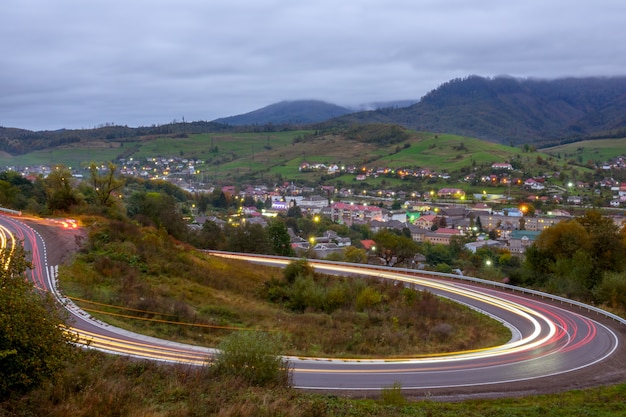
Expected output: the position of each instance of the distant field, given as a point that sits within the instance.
(278, 155)
(449, 153)
(590, 150)
(68, 156)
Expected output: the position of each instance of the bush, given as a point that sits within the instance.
(305, 294)
(612, 290)
(297, 268)
(252, 356)
(33, 342)
(393, 395)
(368, 298)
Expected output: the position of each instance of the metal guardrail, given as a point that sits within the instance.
(10, 211)
(424, 273)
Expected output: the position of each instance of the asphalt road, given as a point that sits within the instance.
(548, 341)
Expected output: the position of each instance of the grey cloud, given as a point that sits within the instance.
(70, 63)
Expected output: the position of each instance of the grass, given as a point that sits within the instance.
(590, 150)
(436, 151)
(131, 271)
(98, 385)
(73, 157)
(277, 155)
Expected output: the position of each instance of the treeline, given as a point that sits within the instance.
(584, 258)
(20, 141)
(511, 110)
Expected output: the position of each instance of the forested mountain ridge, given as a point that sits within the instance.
(505, 110)
(288, 112)
(513, 111)
(19, 141)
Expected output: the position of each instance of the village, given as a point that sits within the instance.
(435, 216)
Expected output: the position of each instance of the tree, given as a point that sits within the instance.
(60, 191)
(437, 254)
(279, 238)
(355, 255)
(394, 249)
(211, 236)
(104, 185)
(563, 240)
(158, 210)
(294, 212)
(573, 256)
(14, 189)
(479, 225)
(607, 246)
(247, 238)
(33, 343)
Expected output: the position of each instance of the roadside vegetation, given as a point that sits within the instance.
(141, 279)
(95, 384)
(140, 269)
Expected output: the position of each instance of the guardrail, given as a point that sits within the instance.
(10, 211)
(434, 274)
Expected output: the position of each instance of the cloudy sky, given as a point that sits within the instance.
(77, 63)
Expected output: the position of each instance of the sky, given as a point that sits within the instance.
(80, 64)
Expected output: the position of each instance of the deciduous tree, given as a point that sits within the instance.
(105, 184)
(33, 341)
(394, 249)
(279, 238)
(60, 190)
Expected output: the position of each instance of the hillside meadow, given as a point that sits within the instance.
(596, 151)
(264, 155)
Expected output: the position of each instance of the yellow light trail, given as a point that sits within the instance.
(526, 343)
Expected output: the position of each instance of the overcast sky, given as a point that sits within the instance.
(77, 63)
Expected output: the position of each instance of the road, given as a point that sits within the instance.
(548, 341)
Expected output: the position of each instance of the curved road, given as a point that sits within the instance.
(547, 340)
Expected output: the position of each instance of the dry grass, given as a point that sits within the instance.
(96, 385)
(138, 272)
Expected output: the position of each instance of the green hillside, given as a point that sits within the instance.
(510, 110)
(275, 156)
(595, 151)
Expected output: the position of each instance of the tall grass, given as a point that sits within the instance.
(126, 271)
(98, 385)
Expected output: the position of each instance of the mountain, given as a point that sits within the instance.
(513, 111)
(506, 110)
(376, 105)
(288, 112)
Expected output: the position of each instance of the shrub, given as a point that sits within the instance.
(33, 342)
(393, 395)
(297, 268)
(305, 294)
(612, 290)
(368, 298)
(252, 356)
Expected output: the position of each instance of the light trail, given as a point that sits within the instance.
(547, 340)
